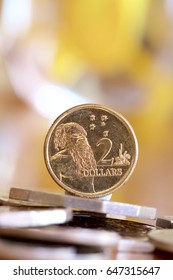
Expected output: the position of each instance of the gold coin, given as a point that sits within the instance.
(90, 150)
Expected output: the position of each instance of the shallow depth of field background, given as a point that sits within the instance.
(58, 54)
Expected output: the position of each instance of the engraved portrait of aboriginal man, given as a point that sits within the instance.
(74, 155)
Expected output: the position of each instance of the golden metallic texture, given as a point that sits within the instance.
(90, 150)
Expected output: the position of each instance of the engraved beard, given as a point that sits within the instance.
(72, 138)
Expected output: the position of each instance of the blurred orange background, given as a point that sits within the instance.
(57, 54)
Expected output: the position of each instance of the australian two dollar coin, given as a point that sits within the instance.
(90, 150)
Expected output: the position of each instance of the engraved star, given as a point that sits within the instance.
(92, 117)
(92, 126)
(103, 123)
(104, 118)
(105, 133)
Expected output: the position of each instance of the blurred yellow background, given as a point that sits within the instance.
(57, 54)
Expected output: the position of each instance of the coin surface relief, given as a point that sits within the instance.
(90, 150)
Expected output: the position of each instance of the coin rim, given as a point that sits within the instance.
(111, 189)
(66, 235)
(154, 236)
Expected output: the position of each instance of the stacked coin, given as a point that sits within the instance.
(162, 239)
(40, 209)
(165, 222)
(92, 205)
(57, 243)
(90, 151)
(12, 217)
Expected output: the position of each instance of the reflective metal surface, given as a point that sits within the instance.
(165, 222)
(92, 205)
(125, 228)
(90, 150)
(22, 217)
(65, 235)
(20, 250)
(162, 239)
